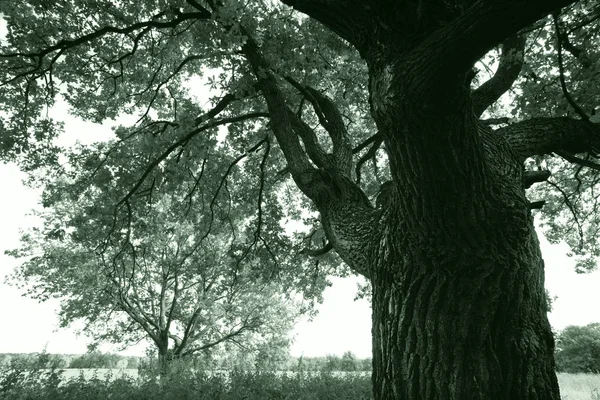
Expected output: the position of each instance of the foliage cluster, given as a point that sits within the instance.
(578, 349)
(19, 383)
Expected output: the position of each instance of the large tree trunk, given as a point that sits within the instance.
(459, 308)
(450, 325)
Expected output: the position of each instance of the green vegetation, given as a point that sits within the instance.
(29, 377)
(578, 349)
(20, 382)
(222, 361)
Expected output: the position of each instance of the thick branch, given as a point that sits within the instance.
(370, 154)
(310, 140)
(331, 119)
(495, 121)
(509, 67)
(548, 135)
(531, 177)
(318, 252)
(281, 125)
(367, 142)
(572, 158)
(220, 106)
(484, 25)
(336, 196)
(348, 18)
(537, 205)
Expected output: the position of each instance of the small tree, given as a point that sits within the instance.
(174, 269)
(578, 349)
(332, 363)
(349, 362)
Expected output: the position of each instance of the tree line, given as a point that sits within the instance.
(347, 362)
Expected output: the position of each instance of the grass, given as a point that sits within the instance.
(579, 386)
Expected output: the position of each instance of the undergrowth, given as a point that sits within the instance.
(27, 382)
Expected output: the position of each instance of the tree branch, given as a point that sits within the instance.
(65, 44)
(561, 70)
(531, 177)
(370, 154)
(331, 119)
(509, 67)
(572, 158)
(350, 19)
(281, 125)
(537, 205)
(495, 121)
(551, 135)
(182, 142)
(318, 252)
(311, 142)
(367, 142)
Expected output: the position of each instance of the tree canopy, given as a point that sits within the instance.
(186, 271)
(146, 61)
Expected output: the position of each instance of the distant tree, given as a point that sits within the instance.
(273, 354)
(133, 362)
(95, 359)
(349, 362)
(174, 269)
(578, 349)
(332, 363)
(366, 364)
(50, 361)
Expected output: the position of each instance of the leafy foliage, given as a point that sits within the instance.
(182, 263)
(144, 60)
(578, 349)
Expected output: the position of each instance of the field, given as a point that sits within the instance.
(579, 386)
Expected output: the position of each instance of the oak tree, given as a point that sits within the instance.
(173, 270)
(385, 115)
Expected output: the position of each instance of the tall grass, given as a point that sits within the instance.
(579, 386)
